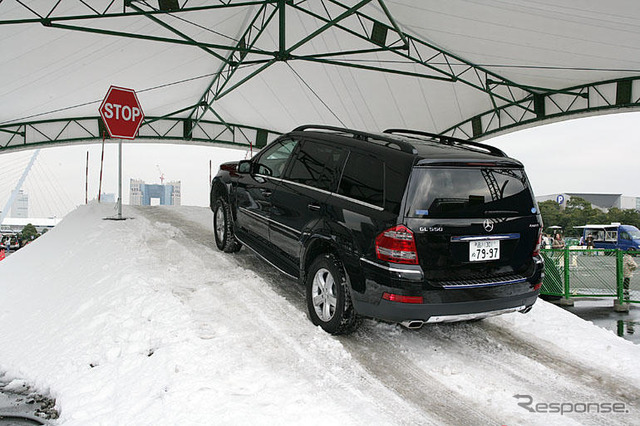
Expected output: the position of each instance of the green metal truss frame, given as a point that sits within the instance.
(79, 130)
(621, 94)
(512, 104)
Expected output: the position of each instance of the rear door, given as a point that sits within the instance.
(472, 224)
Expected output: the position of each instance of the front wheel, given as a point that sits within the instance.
(223, 228)
(328, 296)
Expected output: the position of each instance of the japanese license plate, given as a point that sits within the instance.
(484, 250)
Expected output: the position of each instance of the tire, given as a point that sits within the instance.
(223, 228)
(328, 296)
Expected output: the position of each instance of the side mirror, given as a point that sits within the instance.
(244, 166)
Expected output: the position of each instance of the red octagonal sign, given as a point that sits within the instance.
(121, 113)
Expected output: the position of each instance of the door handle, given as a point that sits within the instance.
(266, 192)
(313, 207)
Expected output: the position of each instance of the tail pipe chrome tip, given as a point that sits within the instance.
(413, 324)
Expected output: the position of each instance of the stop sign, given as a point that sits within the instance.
(121, 112)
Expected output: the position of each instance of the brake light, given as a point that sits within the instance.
(536, 250)
(402, 299)
(397, 245)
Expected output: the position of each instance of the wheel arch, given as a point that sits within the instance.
(317, 246)
(218, 189)
(350, 258)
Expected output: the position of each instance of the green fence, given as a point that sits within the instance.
(578, 272)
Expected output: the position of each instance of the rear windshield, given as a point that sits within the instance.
(463, 192)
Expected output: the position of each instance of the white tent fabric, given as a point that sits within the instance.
(539, 46)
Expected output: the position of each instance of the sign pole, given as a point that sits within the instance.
(86, 182)
(119, 179)
(101, 165)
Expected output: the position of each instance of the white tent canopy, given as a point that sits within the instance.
(221, 71)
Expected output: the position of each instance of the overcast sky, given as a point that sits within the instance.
(592, 155)
(589, 155)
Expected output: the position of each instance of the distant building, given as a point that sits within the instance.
(602, 202)
(107, 198)
(143, 194)
(20, 207)
(176, 198)
(135, 192)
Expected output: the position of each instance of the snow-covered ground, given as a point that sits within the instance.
(144, 322)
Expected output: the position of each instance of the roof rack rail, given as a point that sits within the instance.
(365, 136)
(448, 140)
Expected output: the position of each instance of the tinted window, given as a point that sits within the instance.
(316, 165)
(469, 192)
(363, 179)
(396, 174)
(274, 158)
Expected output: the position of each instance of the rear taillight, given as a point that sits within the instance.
(536, 250)
(402, 299)
(397, 245)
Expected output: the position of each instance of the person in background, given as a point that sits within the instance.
(590, 241)
(628, 266)
(558, 242)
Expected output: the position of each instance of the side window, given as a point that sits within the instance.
(611, 236)
(317, 165)
(624, 235)
(273, 160)
(395, 182)
(363, 179)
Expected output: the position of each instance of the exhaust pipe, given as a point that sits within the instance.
(526, 310)
(413, 324)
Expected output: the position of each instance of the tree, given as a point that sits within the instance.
(29, 232)
(627, 217)
(551, 213)
(579, 212)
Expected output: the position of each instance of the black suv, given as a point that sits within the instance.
(403, 226)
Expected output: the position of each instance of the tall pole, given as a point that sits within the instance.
(86, 182)
(119, 179)
(101, 165)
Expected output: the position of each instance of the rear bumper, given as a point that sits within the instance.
(444, 312)
(440, 304)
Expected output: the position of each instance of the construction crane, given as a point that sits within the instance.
(161, 175)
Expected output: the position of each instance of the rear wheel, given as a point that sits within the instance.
(223, 228)
(328, 296)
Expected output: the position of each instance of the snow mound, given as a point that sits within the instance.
(144, 322)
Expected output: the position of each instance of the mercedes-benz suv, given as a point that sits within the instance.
(401, 226)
